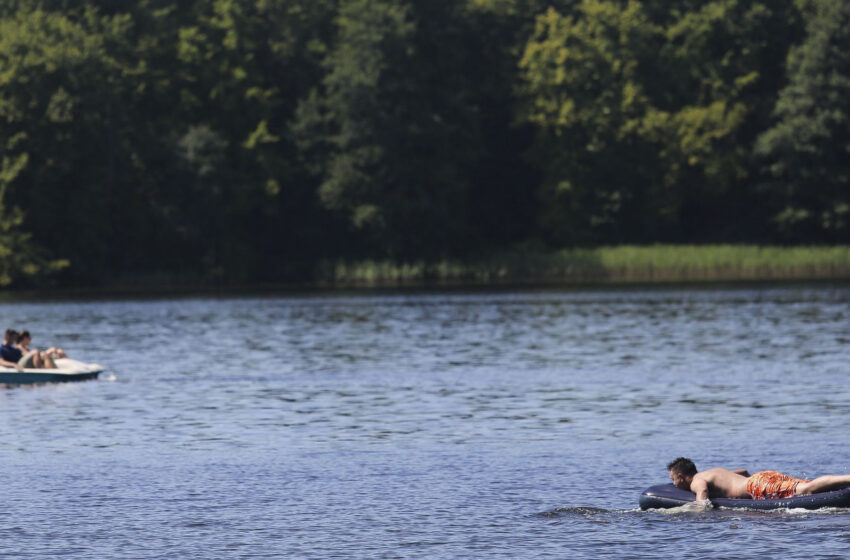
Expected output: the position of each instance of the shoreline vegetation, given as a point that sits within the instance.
(604, 265)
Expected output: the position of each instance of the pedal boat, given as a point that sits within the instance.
(66, 370)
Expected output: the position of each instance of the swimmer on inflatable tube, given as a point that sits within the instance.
(738, 483)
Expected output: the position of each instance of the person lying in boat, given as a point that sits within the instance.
(13, 356)
(738, 483)
(25, 339)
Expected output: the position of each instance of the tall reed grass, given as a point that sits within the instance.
(655, 263)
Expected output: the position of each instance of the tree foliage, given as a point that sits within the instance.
(647, 117)
(808, 146)
(234, 141)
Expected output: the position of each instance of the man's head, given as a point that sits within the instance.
(682, 471)
(11, 336)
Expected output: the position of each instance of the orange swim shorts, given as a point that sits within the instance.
(772, 485)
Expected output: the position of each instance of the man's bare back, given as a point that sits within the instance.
(720, 483)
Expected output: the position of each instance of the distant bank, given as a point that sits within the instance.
(602, 265)
(654, 264)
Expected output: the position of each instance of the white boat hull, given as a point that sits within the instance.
(66, 370)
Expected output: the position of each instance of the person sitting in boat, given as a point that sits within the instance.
(25, 339)
(13, 356)
(738, 483)
(9, 355)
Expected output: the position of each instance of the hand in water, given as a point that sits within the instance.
(698, 506)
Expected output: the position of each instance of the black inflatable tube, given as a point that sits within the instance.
(668, 496)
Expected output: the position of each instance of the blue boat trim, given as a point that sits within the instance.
(668, 496)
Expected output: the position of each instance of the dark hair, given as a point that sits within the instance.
(11, 335)
(23, 334)
(683, 465)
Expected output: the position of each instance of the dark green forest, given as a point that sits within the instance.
(250, 141)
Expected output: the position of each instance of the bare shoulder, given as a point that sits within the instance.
(713, 474)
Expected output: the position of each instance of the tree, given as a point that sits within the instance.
(19, 258)
(55, 97)
(157, 135)
(242, 67)
(583, 92)
(392, 131)
(807, 148)
(723, 61)
(647, 116)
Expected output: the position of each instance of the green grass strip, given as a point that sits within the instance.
(654, 263)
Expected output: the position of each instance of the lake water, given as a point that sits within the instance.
(424, 425)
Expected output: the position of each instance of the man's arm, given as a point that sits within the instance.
(7, 363)
(700, 488)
